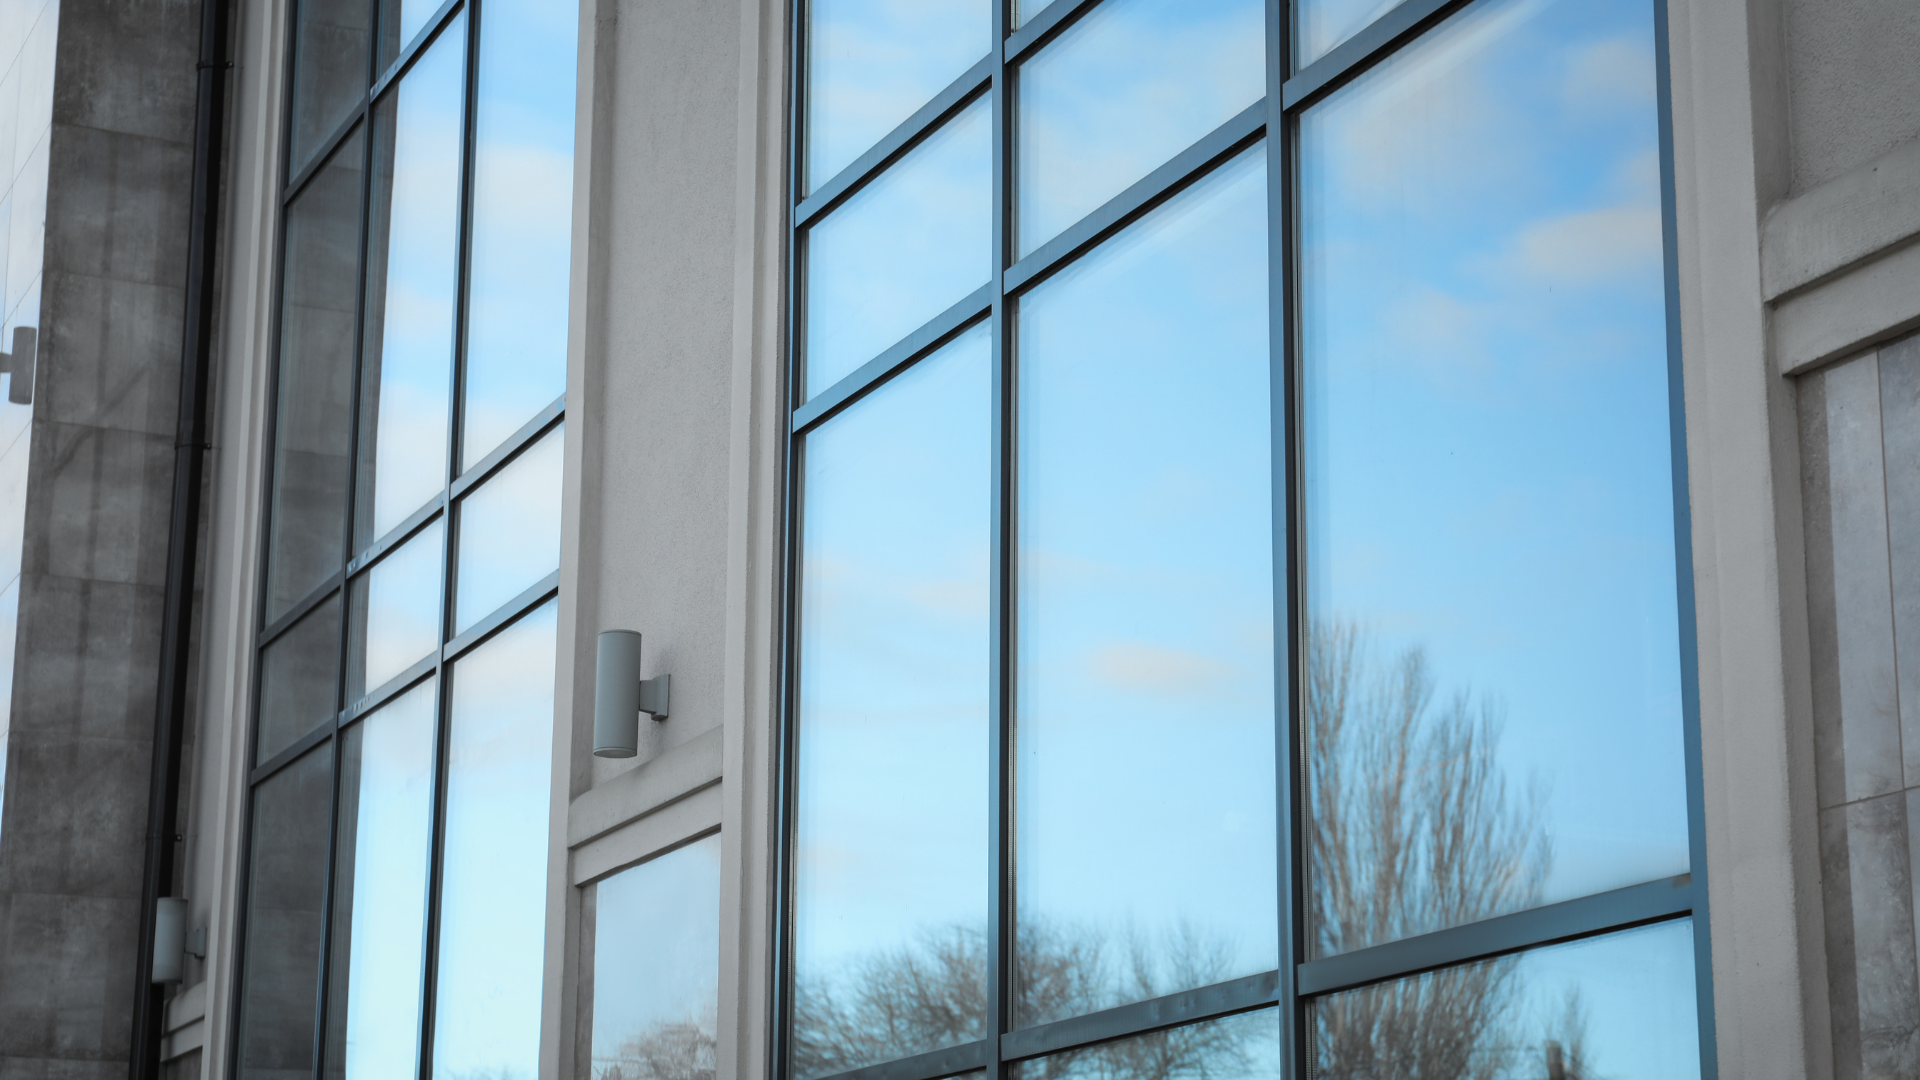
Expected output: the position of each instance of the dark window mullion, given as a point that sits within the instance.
(1399, 26)
(1001, 972)
(902, 355)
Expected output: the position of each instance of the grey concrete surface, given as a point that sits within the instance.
(1853, 83)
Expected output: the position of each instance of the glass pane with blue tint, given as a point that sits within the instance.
(516, 362)
(299, 680)
(379, 947)
(1319, 25)
(1124, 89)
(656, 967)
(493, 893)
(1493, 660)
(1145, 733)
(891, 836)
(510, 529)
(313, 418)
(872, 63)
(395, 612)
(1243, 1047)
(902, 250)
(1620, 1005)
(400, 22)
(406, 366)
(332, 65)
(286, 896)
(1025, 11)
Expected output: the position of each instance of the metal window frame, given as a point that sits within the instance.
(1292, 987)
(453, 642)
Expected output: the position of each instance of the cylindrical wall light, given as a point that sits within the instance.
(169, 940)
(620, 696)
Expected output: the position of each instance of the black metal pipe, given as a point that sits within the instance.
(183, 539)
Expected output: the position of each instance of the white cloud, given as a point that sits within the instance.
(1591, 245)
(1615, 71)
(1139, 665)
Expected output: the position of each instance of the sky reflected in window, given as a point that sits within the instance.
(396, 612)
(1319, 25)
(656, 967)
(510, 529)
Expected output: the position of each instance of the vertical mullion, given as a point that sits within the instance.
(1001, 974)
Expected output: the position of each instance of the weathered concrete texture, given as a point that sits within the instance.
(1853, 83)
(93, 557)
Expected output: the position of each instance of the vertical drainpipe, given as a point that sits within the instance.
(183, 539)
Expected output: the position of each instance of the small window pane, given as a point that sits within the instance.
(332, 43)
(1620, 1005)
(901, 251)
(522, 219)
(299, 677)
(656, 968)
(494, 873)
(510, 529)
(380, 890)
(892, 818)
(1146, 718)
(1323, 24)
(400, 22)
(1025, 11)
(1243, 1047)
(312, 422)
(407, 361)
(286, 894)
(1127, 87)
(1489, 486)
(396, 612)
(872, 63)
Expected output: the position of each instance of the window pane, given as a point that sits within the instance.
(299, 679)
(1025, 11)
(1322, 24)
(892, 817)
(510, 529)
(286, 887)
(872, 63)
(522, 219)
(380, 890)
(901, 251)
(330, 70)
(400, 22)
(1235, 1047)
(1127, 87)
(1494, 641)
(407, 362)
(1146, 627)
(316, 382)
(656, 968)
(493, 898)
(396, 612)
(1620, 1005)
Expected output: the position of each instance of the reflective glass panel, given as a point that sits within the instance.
(901, 251)
(1243, 1047)
(656, 968)
(1145, 733)
(400, 22)
(1319, 25)
(522, 219)
(872, 63)
(493, 895)
(395, 612)
(510, 529)
(1125, 88)
(1025, 11)
(313, 418)
(331, 69)
(299, 679)
(891, 836)
(1621, 1005)
(407, 362)
(286, 895)
(380, 890)
(1493, 672)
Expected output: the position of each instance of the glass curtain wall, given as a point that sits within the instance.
(395, 911)
(1238, 616)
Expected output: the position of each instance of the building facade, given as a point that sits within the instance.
(1330, 538)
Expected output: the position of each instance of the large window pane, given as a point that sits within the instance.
(1493, 675)
(510, 529)
(656, 968)
(1244, 1047)
(299, 679)
(493, 893)
(395, 612)
(1146, 624)
(311, 427)
(407, 361)
(871, 63)
(286, 891)
(1319, 25)
(1621, 1005)
(901, 251)
(522, 219)
(380, 890)
(333, 40)
(892, 815)
(1128, 86)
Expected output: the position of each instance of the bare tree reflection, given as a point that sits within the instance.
(668, 1050)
